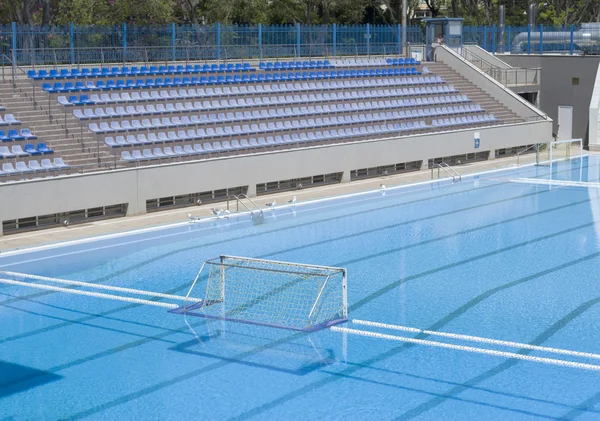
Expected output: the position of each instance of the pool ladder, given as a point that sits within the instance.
(238, 199)
(451, 172)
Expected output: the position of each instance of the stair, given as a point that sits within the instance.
(478, 96)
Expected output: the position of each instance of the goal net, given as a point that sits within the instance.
(559, 150)
(271, 293)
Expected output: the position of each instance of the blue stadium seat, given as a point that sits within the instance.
(30, 149)
(14, 135)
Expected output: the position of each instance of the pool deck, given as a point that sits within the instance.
(111, 226)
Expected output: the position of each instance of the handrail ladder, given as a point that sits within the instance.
(447, 169)
(238, 198)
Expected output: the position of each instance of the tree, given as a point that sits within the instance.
(344, 12)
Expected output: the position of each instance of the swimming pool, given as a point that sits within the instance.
(488, 256)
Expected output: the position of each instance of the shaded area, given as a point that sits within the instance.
(12, 376)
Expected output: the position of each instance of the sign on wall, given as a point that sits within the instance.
(477, 140)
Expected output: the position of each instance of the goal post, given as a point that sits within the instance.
(271, 293)
(558, 150)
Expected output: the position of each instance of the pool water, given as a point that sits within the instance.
(487, 256)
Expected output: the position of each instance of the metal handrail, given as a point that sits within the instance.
(499, 73)
(523, 151)
(239, 198)
(447, 169)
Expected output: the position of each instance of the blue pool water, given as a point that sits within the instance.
(486, 257)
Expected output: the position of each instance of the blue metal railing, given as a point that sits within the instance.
(71, 44)
(37, 45)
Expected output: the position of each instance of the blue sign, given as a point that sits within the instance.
(477, 141)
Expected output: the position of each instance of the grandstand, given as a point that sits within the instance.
(100, 121)
(200, 110)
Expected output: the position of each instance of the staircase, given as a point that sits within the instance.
(474, 93)
(74, 146)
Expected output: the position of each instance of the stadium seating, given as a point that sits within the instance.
(26, 150)
(13, 152)
(165, 113)
(104, 72)
(16, 135)
(33, 166)
(136, 84)
(9, 120)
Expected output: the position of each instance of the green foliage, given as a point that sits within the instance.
(344, 12)
(142, 12)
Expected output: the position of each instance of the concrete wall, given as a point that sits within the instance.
(594, 115)
(135, 186)
(557, 88)
(488, 84)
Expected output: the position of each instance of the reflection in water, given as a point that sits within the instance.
(297, 353)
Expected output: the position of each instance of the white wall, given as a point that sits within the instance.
(136, 185)
(594, 119)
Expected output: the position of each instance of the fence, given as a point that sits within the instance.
(36, 45)
(127, 43)
(539, 39)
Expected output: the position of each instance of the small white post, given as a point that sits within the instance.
(345, 292)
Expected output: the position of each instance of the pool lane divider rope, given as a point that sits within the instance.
(94, 286)
(547, 182)
(478, 339)
(511, 355)
(90, 293)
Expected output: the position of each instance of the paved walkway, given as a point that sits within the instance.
(84, 230)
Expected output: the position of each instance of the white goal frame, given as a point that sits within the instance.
(552, 156)
(194, 307)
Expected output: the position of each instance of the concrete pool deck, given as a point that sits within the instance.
(111, 226)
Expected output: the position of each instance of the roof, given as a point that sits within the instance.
(442, 19)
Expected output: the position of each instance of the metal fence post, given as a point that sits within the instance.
(541, 39)
(14, 46)
(368, 37)
(508, 41)
(72, 42)
(528, 39)
(124, 42)
(334, 29)
(173, 38)
(298, 39)
(218, 41)
(400, 40)
(572, 44)
(485, 38)
(260, 41)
